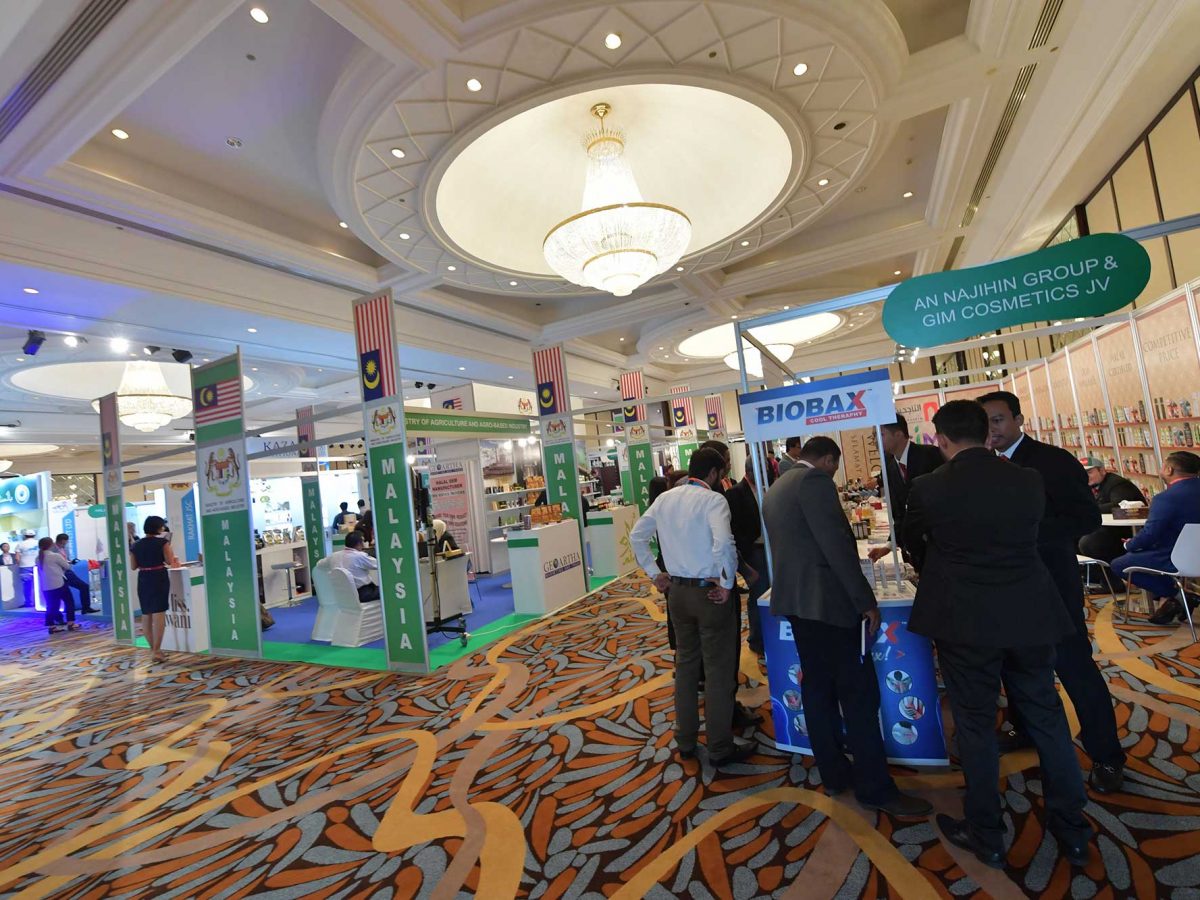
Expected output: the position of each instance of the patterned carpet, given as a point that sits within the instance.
(542, 767)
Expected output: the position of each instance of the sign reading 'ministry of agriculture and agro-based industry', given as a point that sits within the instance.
(1088, 277)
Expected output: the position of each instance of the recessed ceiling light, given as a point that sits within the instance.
(71, 341)
(30, 290)
(462, 368)
(906, 194)
(398, 153)
(254, 368)
(897, 272)
(622, 340)
(233, 143)
(451, 268)
(259, 15)
(823, 182)
(733, 317)
(119, 345)
(474, 85)
(612, 41)
(787, 307)
(745, 243)
(252, 330)
(206, 359)
(662, 348)
(679, 268)
(342, 225)
(404, 235)
(120, 134)
(511, 377)
(799, 69)
(512, 284)
(20, 359)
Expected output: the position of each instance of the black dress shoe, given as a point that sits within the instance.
(90, 609)
(742, 751)
(1167, 613)
(744, 718)
(957, 833)
(1107, 779)
(1010, 740)
(903, 806)
(687, 754)
(1075, 854)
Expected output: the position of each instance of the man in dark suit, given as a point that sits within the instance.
(1070, 513)
(820, 587)
(905, 462)
(747, 534)
(1109, 489)
(1151, 547)
(988, 602)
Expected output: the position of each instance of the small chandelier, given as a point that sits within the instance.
(144, 401)
(754, 361)
(618, 242)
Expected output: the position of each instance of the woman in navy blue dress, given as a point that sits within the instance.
(152, 557)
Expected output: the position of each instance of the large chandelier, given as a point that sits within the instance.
(754, 361)
(618, 242)
(144, 401)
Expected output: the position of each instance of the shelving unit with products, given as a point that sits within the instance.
(1044, 428)
(1062, 398)
(1091, 400)
(1136, 452)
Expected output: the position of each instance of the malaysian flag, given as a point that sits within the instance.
(453, 403)
(373, 331)
(551, 378)
(682, 413)
(633, 388)
(218, 402)
(715, 412)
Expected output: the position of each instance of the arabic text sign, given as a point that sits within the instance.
(831, 404)
(1091, 276)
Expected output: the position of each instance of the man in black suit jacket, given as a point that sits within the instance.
(906, 461)
(746, 523)
(988, 602)
(1110, 489)
(820, 587)
(1071, 512)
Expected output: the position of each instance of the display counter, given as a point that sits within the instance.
(610, 550)
(273, 583)
(187, 613)
(910, 710)
(9, 584)
(453, 587)
(547, 567)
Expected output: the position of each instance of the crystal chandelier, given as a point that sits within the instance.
(144, 401)
(754, 363)
(618, 242)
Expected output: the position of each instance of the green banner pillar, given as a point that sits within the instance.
(310, 488)
(114, 507)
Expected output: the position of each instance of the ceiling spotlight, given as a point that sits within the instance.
(150, 349)
(119, 345)
(120, 134)
(679, 268)
(71, 341)
(233, 143)
(252, 330)
(181, 356)
(254, 368)
(823, 182)
(462, 368)
(512, 284)
(622, 340)
(474, 85)
(733, 317)
(33, 343)
(431, 385)
(20, 359)
(30, 290)
(612, 41)
(787, 307)
(404, 235)
(451, 268)
(745, 243)
(897, 272)
(511, 377)
(259, 15)
(799, 69)
(906, 194)
(342, 225)
(398, 153)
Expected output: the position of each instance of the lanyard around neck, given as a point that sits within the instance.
(699, 483)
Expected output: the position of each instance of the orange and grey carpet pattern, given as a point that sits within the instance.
(542, 767)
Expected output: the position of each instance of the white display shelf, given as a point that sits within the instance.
(506, 494)
(512, 509)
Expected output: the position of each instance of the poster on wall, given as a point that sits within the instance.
(448, 494)
(918, 410)
(114, 509)
(391, 491)
(223, 484)
(827, 404)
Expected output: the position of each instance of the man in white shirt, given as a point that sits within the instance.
(27, 553)
(692, 523)
(363, 568)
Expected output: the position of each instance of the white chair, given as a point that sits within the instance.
(326, 605)
(355, 623)
(1185, 557)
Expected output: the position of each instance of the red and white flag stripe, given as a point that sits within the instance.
(713, 405)
(633, 388)
(548, 367)
(228, 405)
(373, 331)
(689, 413)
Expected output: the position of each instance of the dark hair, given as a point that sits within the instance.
(901, 424)
(1009, 400)
(345, 506)
(62, 537)
(362, 503)
(819, 448)
(154, 525)
(1185, 461)
(657, 486)
(962, 421)
(354, 539)
(43, 545)
(792, 443)
(719, 446)
(704, 461)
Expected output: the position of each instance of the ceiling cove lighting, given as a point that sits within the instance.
(618, 241)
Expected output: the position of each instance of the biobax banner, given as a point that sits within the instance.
(831, 404)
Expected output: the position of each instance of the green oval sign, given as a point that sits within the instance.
(96, 511)
(1087, 277)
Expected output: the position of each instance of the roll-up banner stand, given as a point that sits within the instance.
(310, 487)
(391, 494)
(683, 420)
(637, 435)
(114, 512)
(223, 482)
(558, 432)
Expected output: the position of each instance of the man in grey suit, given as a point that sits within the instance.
(818, 584)
(791, 454)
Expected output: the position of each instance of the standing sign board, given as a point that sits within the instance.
(637, 434)
(310, 487)
(448, 494)
(114, 508)
(391, 490)
(683, 420)
(558, 431)
(829, 404)
(223, 481)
